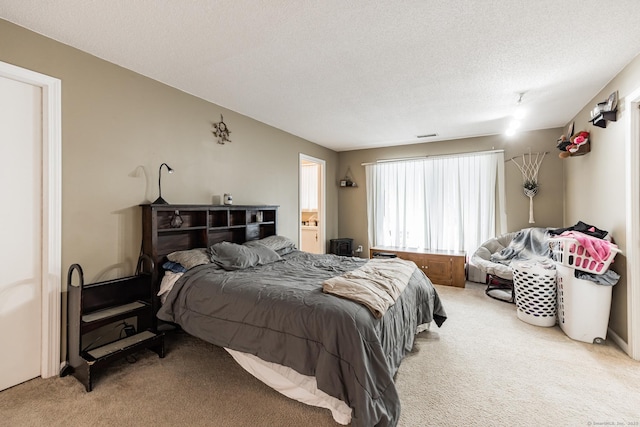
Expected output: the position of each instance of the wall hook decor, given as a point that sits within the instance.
(529, 169)
(221, 131)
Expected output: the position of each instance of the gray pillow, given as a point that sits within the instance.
(286, 250)
(191, 258)
(231, 256)
(280, 244)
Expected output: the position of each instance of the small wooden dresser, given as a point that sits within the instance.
(441, 267)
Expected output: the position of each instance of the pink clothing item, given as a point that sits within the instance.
(598, 249)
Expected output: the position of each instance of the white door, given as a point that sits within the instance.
(21, 231)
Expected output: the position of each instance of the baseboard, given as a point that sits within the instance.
(619, 341)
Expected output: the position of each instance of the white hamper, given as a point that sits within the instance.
(534, 285)
(583, 307)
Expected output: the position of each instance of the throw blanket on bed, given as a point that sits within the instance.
(376, 285)
(528, 244)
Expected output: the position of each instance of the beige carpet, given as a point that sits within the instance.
(484, 367)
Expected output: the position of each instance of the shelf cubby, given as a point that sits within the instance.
(100, 307)
(201, 227)
(219, 218)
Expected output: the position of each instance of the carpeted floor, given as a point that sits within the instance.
(483, 367)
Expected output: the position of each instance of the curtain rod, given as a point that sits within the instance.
(437, 156)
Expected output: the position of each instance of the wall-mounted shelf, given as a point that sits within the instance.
(601, 119)
(605, 111)
(347, 181)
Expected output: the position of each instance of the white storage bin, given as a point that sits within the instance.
(534, 285)
(583, 307)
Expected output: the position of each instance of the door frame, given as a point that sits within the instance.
(50, 364)
(632, 142)
(321, 199)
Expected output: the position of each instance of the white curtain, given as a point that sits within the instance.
(443, 203)
(309, 183)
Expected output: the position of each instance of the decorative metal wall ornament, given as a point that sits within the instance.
(221, 131)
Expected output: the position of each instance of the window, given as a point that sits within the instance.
(444, 203)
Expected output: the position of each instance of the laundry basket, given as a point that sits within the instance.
(583, 306)
(534, 285)
(570, 253)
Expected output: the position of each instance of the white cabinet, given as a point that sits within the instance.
(310, 240)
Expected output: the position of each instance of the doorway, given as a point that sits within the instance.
(31, 142)
(312, 204)
(20, 286)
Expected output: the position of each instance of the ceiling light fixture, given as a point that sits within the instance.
(517, 115)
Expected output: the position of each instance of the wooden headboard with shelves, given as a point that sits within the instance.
(169, 228)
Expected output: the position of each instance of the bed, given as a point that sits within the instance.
(272, 315)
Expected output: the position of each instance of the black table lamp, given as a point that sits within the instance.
(160, 200)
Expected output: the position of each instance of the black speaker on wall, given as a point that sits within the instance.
(343, 247)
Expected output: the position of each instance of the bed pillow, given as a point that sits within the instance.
(190, 258)
(174, 267)
(280, 244)
(231, 256)
(286, 250)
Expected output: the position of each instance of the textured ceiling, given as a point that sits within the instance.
(350, 74)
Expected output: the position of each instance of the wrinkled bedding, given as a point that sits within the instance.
(376, 285)
(279, 313)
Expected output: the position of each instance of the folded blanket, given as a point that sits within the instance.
(376, 285)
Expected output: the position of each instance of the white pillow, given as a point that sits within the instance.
(190, 258)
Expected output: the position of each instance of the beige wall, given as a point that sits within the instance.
(118, 127)
(548, 203)
(595, 184)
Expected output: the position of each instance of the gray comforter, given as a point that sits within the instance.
(279, 313)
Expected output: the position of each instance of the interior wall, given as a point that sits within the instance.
(548, 203)
(119, 126)
(595, 184)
